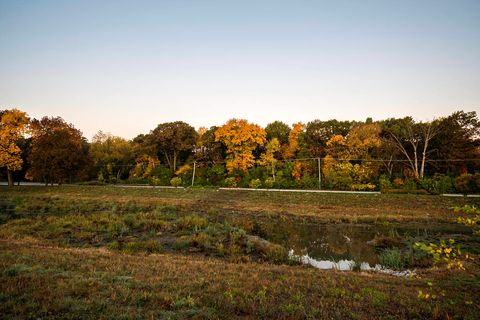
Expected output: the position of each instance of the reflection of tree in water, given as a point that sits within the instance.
(330, 241)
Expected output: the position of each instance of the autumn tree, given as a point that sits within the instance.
(112, 155)
(59, 151)
(347, 161)
(13, 125)
(144, 166)
(268, 158)
(318, 132)
(172, 141)
(241, 139)
(293, 141)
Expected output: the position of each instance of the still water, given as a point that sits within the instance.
(342, 242)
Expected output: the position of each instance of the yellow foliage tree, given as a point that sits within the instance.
(144, 166)
(360, 143)
(241, 138)
(13, 125)
(268, 159)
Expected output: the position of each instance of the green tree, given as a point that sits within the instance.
(112, 155)
(172, 141)
(458, 139)
(279, 130)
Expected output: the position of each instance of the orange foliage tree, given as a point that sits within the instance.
(13, 124)
(241, 138)
(293, 145)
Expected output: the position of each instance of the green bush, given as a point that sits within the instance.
(231, 182)
(215, 175)
(255, 183)
(163, 173)
(176, 181)
(409, 185)
(363, 187)
(269, 183)
(437, 184)
(338, 180)
(154, 181)
(384, 183)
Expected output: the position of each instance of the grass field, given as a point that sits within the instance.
(108, 252)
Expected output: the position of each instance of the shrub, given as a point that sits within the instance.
(468, 183)
(398, 182)
(231, 182)
(269, 182)
(410, 185)
(163, 173)
(437, 184)
(176, 181)
(337, 180)
(363, 187)
(442, 252)
(384, 183)
(154, 181)
(255, 183)
(214, 175)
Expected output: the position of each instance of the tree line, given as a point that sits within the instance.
(398, 153)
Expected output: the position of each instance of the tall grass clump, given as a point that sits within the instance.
(392, 259)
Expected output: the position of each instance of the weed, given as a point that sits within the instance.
(392, 259)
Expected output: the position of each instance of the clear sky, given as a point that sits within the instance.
(125, 66)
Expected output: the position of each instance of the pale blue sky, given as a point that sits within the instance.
(125, 66)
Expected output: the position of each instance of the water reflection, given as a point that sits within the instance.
(342, 243)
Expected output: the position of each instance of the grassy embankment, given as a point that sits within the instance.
(107, 252)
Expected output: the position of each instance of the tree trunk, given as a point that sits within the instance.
(416, 162)
(168, 160)
(174, 161)
(273, 171)
(10, 178)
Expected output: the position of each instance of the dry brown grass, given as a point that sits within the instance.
(45, 281)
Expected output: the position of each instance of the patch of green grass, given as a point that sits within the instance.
(392, 259)
(374, 296)
(148, 246)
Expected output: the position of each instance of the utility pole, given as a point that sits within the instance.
(193, 175)
(319, 174)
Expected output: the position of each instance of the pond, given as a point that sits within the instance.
(343, 243)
